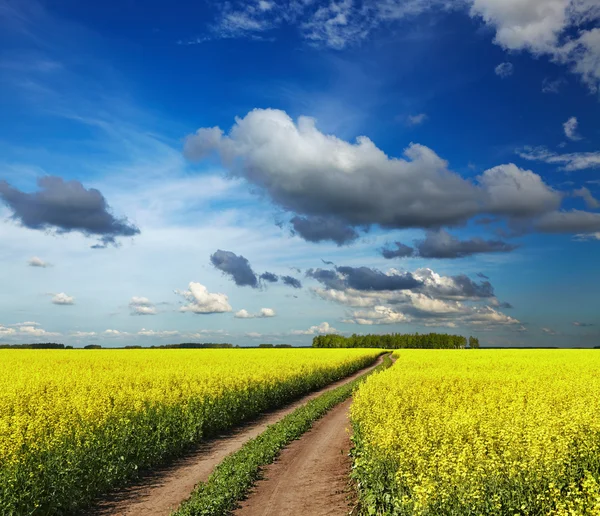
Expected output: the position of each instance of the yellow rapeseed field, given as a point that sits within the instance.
(74, 423)
(470, 432)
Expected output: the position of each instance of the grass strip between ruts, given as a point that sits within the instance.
(233, 478)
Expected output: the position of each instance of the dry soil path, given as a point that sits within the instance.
(165, 489)
(310, 476)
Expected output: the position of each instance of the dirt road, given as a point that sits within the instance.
(164, 490)
(310, 477)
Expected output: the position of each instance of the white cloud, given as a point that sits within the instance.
(141, 306)
(160, 334)
(267, 312)
(440, 301)
(254, 335)
(517, 191)
(6, 332)
(83, 334)
(570, 128)
(63, 299)
(571, 162)
(26, 330)
(504, 70)
(322, 329)
(378, 315)
(201, 301)
(115, 333)
(302, 169)
(549, 331)
(564, 30)
(543, 27)
(524, 24)
(416, 119)
(264, 312)
(37, 262)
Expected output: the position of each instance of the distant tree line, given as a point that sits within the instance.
(196, 345)
(396, 341)
(41, 345)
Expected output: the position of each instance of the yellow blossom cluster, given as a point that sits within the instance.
(74, 423)
(470, 432)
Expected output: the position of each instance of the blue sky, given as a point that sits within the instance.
(157, 158)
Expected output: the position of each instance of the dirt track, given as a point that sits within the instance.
(163, 491)
(310, 476)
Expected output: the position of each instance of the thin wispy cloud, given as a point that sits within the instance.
(570, 128)
(504, 70)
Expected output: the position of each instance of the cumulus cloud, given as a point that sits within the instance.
(377, 315)
(570, 162)
(235, 266)
(83, 334)
(66, 206)
(517, 192)
(334, 187)
(320, 329)
(291, 282)
(504, 70)
(114, 333)
(364, 279)
(440, 244)
(319, 229)
(201, 301)
(26, 330)
(35, 331)
(37, 262)
(161, 334)
(6, 332)
(141, 306)
(63, 299)
(570, 128)
(432, 299)
(264, 312)
(318, 175)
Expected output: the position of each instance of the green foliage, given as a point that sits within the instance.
(393, 341)
(231, 480)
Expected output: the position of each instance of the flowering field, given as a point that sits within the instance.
(480, 432)
(75, 423)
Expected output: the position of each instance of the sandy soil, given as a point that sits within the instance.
(165, 489)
